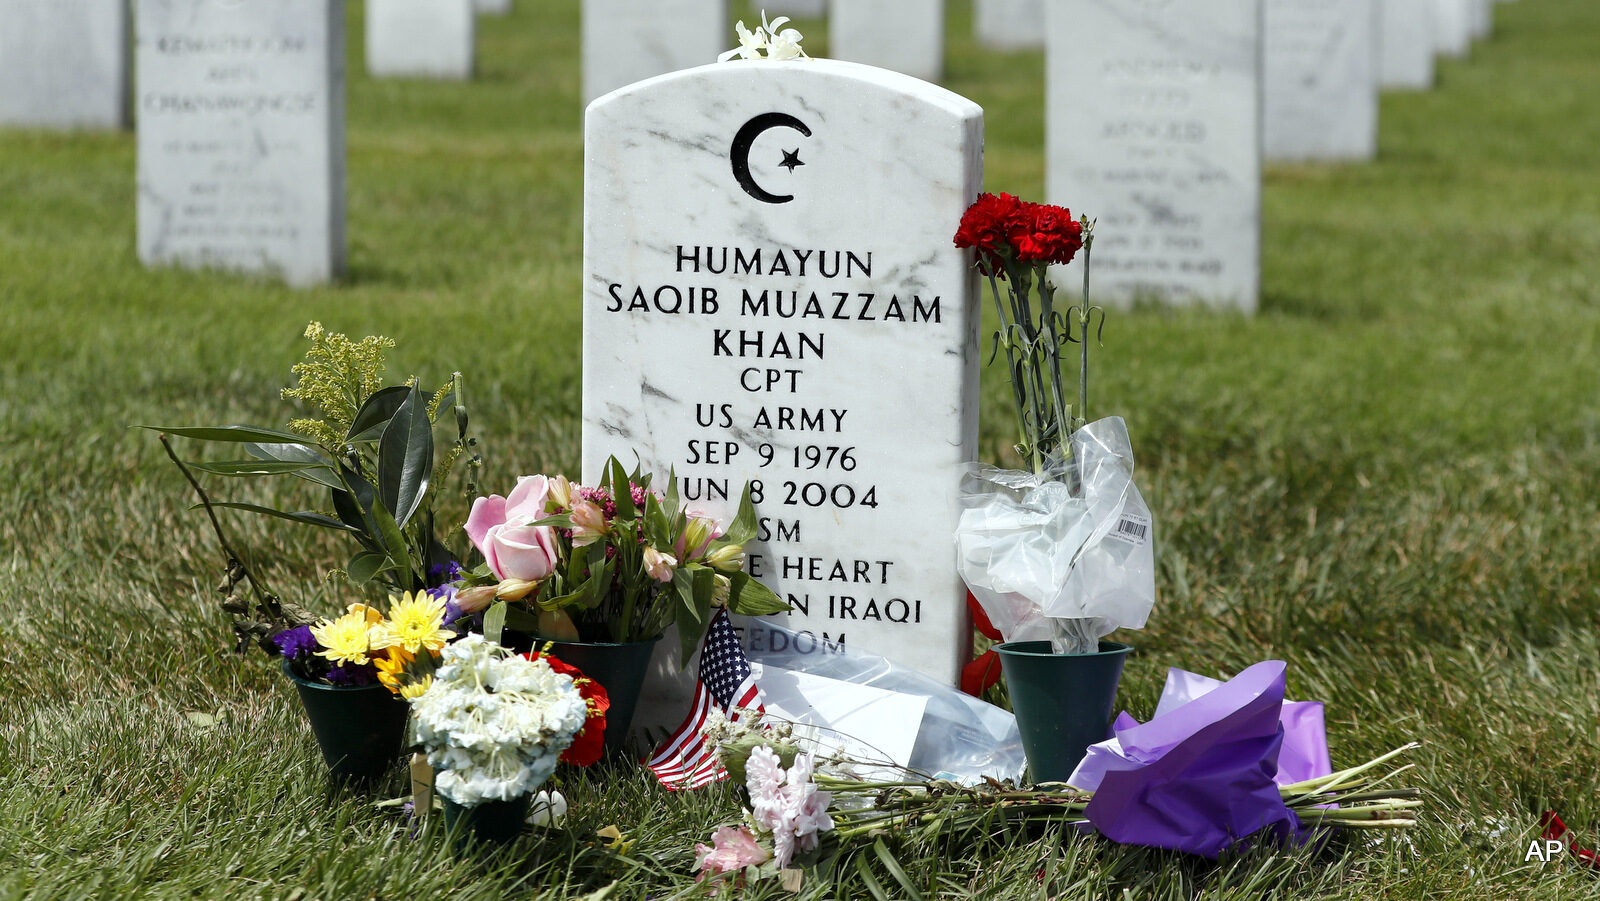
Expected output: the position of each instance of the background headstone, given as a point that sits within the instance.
(1153, 127)
(1407, 40)
(814, 9)
(1009, 24)
(903, 35)
(241, 135)
(625, 41)
(493, 7)
(1320, 76)
(1481, 14)
(64, 63)
(771, 292)
(1452, 23)
(420, 38)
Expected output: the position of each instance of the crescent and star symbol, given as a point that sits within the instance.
(739, 153)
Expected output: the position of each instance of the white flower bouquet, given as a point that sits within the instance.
(494, 724)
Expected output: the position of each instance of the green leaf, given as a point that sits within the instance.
(871, 881)
(704, 583)
(671, 501)
(748, 597)
(365, 565)
(394, 541)
(690, 631)
(234, 433)
(895, 870)
(351, 514)
(521, 620)
(296, 453)
(405, 458)
(621, 490)
(253, 467)
(303, 516)
(375, 414)
(494, 621)
(744, 522)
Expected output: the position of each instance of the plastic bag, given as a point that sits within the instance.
(961, 738)
(1048, 562)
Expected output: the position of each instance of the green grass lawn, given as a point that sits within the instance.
(1385, 478)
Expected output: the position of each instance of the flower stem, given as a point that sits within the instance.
(1083, 331)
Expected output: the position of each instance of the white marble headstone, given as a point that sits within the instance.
(771, 293)
(903, 35)
(64, 63)
(1153, 127)
(625, 41)
(1320, 65)
(1407, 40)
(493, 7)
(241, 136)
(1009, 24)
(420, 38)
(1452, 27)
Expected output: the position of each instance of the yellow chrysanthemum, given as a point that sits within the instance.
(392, 669)
(373, 617)
(346, 639)
(415, 690)
(416, 621)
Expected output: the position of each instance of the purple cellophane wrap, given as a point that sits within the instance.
(1203, 774)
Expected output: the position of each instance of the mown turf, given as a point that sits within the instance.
(1385, 478)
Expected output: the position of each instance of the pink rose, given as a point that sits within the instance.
(731, 850)
(502, 529)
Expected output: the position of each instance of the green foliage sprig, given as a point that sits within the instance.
(372, 448)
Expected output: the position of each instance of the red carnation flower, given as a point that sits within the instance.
(986, 227)
(590, 741)
(1046, 234)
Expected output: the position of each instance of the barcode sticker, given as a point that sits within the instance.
(1132, 528)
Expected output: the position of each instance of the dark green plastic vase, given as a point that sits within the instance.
(1063, 702)
(360, 730)
(489, 823)
(620, 668)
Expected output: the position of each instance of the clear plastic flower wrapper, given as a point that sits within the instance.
(1049, 562)
(961, 738)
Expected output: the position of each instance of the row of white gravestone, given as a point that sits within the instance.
(1159, 116)
(622, 46)
(65, 63)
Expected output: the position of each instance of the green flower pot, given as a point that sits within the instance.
(360, 730)
(1063, 702)
(489, 823)
(620, 668)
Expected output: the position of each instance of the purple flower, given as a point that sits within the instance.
(350, 675)
(296, 643)
(444, 573)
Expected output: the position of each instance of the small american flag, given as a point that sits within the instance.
(686, 759)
